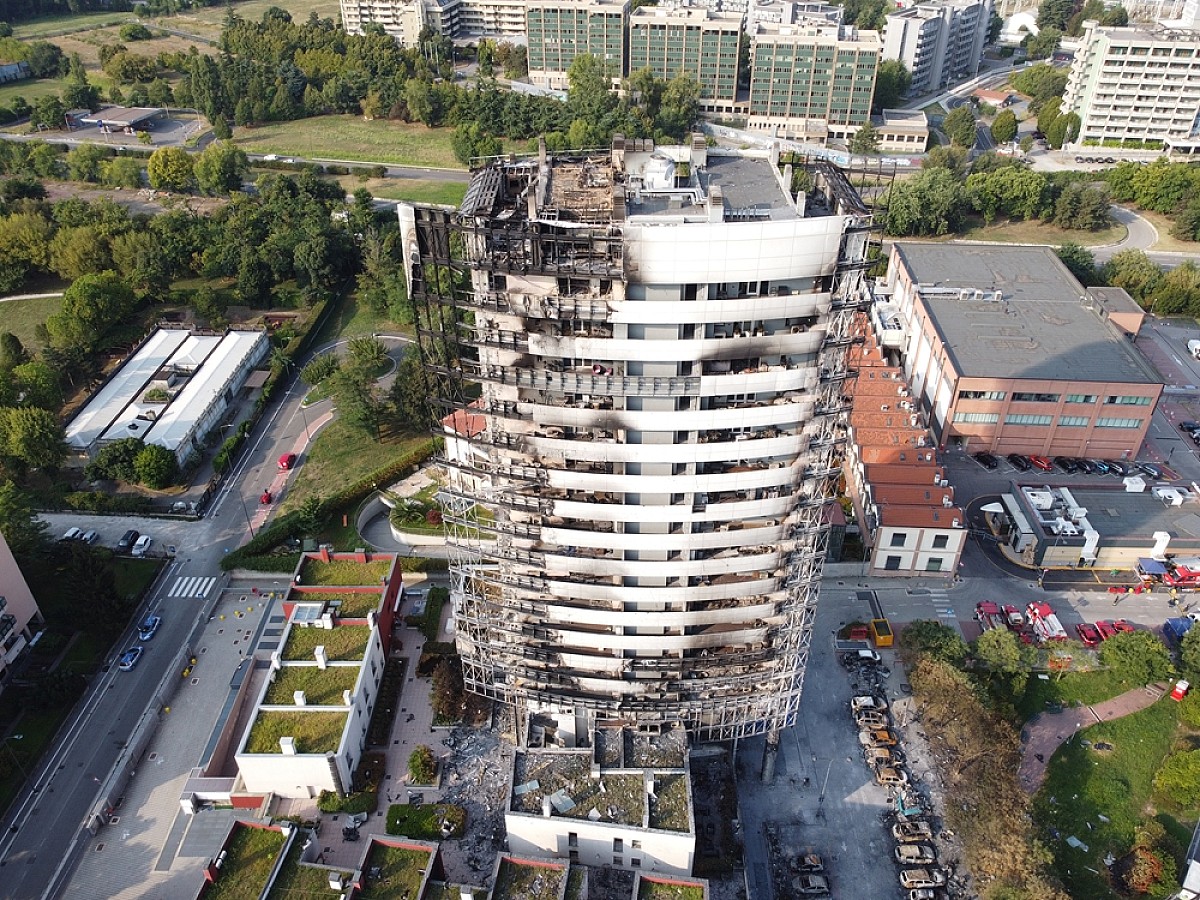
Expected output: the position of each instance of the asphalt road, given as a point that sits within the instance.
(41, 833)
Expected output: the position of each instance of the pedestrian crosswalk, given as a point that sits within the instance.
(195, 587)
(941, 603)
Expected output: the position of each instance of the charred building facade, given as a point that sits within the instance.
(651, 344)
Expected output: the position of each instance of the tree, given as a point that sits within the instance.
(1082, 207)
(368, 353)
(865, 141)
(47, 111)
(309, 517)
(933, 202)
(45, 60)
(115, 461)
(352, 390)
(422, 765)
(588, 94)
(37, 385)
(999, 650)
(220, 168)
(1179, 290)
(33, 436)
(1189, 662)
(409, 396)
(1043, 44)
(1179, 778)
(1080, 261)
(1047, 113)
(12, 351)
(80, 251)
(1138, 657)
(925, 637)
(170, 169)
(156, 467)
(892, 81)
(959, 126)
(1040, 83)
(1004, 128)
(91, 307)
(1054, 13)
(1134, 271)
(84, 161)
(319, 369)
(419, 99)
(121, 172)
(22, 529)
(680, 106)
(1063, 130)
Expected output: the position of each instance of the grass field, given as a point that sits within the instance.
(31, 89)
(1039, 233)
(353, 138)
(206, 21)
(21, 317)
(1165, 243)
(56, 25)
(341, 455)
(354, 319)
(88, 43)
(418, 190)
(1084, 784)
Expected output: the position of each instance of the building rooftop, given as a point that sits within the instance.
(920, 516)
(907, 474)
(1117, 515)
(911, 117)
(529, 879)
(1041, 327)
(99, 413)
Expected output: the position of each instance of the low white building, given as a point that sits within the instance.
(172, 391)
(625, 802)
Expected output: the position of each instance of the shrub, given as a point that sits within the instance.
(1179, 778)
(425, 822)
(422, 766)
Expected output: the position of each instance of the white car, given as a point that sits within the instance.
(72, 534)
(141, 545)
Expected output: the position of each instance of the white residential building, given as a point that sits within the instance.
(938, 42)
(1138, 83)
(656, 340)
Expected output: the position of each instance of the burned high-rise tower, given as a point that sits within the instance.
(638, 359)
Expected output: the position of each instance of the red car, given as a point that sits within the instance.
(1040, 462)
(1120, 626)
(1106, 630)
(1088, 634)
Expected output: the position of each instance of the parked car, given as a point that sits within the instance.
(141, 545)
(1086, 466)
(1088, 634)
(1189, 426)
(871, 720)
(90, 536)
(1106, 629)
(287, 461)
(1102, 468)
(149, 628)
(1040, 462)
(891, 777)
(1150, 469)
(909, 832)
(986, 460)
(810, 885)
(1120, 626)
(915, 854)
(870, 657)
(72, 534)
(1066, 464)
(129, 659)
(922, 878)
(1119, 467)
(1020, 463)
(125, 544)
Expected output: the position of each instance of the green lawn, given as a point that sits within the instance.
(248, 863)
(415, 190)
(297, 881)
(354, 319)
(207, 21)
(322, 687)
(134, 575)
(315, 732)
(1073, 688)
(52, 25)
(32, 89)
(344, 572)
(22, 317)
(1005, 232)
(1083, 784)
(353, 138)
(346, 642)
(402, 871)
(341, 455)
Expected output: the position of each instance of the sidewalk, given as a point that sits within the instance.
(1044, 734)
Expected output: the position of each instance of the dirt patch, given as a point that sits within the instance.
(146, 201)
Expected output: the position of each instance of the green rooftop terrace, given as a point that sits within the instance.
(344, 572)
(297, 881)
(623, 799)
(322, 687)
(249, 858)
(669, 805)
(664, 890)
(315, 732)
(393, 873)
(350, 604)
(345, 642)
(518, 880)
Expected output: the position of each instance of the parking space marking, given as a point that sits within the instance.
(193, 588)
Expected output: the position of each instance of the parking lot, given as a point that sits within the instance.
(172, 131)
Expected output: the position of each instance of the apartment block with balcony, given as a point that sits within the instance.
(1006, 351)
(19, 613)
(1137, 84)
(402, 19)
(938, 42)
(560, 30)
(689, 41)
(656, 339)
(811, 82)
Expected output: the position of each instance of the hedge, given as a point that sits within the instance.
(288, 525)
